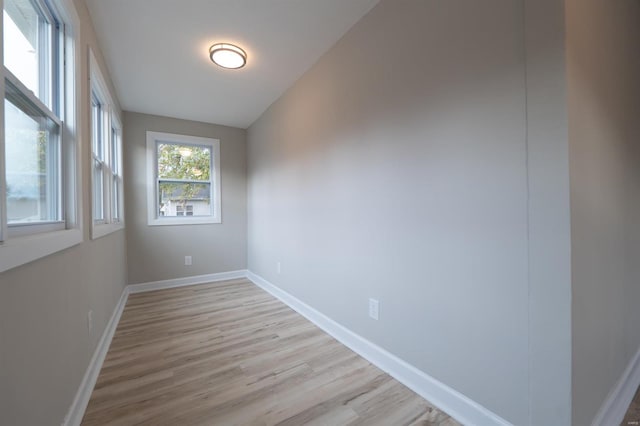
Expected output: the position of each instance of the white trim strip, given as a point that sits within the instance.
(79, 405)
(181, 282)
(81, 400)
(442, 396)
(614, 407)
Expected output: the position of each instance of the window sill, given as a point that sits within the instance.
(101, 230)
(168, 221)
(18, 251)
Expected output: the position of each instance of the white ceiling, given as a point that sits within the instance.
(157, 51)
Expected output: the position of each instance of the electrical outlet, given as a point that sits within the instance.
(90, 321)
(188, 261)
(279, 267)
(374, 308)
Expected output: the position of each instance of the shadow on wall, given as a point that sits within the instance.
(396, 168)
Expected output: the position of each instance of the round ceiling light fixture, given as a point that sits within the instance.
(228, 56)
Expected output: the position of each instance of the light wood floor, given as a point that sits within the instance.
(632, 418)
(230, 354)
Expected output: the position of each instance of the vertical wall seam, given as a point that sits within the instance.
(528, 203)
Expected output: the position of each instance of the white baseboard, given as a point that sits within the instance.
(79, 405)
(614, 407)
(181, 282)
(442, 396)
(449, 400)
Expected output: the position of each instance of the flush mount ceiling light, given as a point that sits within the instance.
(227, 55)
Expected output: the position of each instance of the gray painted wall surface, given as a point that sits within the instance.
(157, 252)
(45, 345)
(548, 215)
(396, 168)
(603, 45)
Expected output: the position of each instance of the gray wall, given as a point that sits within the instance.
(398, 168)
(157, 252)
(549, 236)
(603, 45)
(45, 345)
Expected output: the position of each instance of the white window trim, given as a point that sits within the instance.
(21, 250)
(98, 85)
(152, 180)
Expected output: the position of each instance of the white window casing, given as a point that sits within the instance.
(58, 102)
(107, 201)
(193, 213)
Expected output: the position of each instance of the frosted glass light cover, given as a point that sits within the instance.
(228, 56)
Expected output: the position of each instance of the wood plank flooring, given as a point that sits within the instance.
(230, 354)
(632, 418)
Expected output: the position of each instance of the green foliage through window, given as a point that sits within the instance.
(184, 162)
(184, 174)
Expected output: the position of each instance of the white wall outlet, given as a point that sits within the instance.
(279, 267)
(188, 261)
(374, 308)
(90, 321)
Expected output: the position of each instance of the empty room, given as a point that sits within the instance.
(322, 212)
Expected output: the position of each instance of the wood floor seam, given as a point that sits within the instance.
(228, 353)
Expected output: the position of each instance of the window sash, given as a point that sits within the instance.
(49, 49)
(18, 93)
(24, 99)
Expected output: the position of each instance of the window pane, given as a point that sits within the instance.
(116, 198)
(27, 46)
(98, 191)
(32, 165)
(174, 196)
(190, 162)
(96, 128)
(115, 166)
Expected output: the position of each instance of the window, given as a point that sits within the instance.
(186, 210)
(33, 172)
(106, 160)
(33, 169)
(183, 179)
(39, 168)
(97, 132)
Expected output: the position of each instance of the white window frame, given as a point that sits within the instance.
(15, 249)
(111, 165)
(153, 219)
